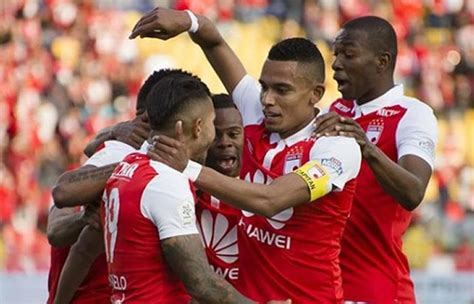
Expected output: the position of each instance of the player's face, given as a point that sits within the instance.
(354, 65)
(287, 97)
(207, 134)
(224, 155)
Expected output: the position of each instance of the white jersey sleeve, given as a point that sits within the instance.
(246, 97)
(112, 152)
(417, 133)
(340, 156)
(168, 202)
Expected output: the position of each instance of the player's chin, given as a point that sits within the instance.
(272, 127)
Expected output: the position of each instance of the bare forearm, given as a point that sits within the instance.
(222, 58)
(64, 230)
(403, 185)
(266, 200)
(78, 263)
(82, 186)
(185, 256)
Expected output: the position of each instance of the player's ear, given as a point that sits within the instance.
(317, 93)
(197, 127)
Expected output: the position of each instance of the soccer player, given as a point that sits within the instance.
(78, 271)
(64, 228)
(292, 251)
(153, 248)
(217, 221)
(397, 135)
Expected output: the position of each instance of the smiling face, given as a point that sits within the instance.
(224, 155)
(355, 66)
(288, 96)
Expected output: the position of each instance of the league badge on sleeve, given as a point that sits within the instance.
(374, 130)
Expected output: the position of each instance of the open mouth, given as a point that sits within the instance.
(226, 162)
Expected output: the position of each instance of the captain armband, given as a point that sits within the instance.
(316, 177)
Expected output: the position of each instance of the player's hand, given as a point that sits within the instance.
(91, 216)
(279, 302)
(170, 151)
(161, 23)
(133, 132)
(331, 124)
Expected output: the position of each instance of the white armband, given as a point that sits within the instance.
(192, 170)
(194, 22)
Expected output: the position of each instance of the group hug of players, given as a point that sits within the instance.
(320, 207)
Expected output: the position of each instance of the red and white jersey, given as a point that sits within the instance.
(295, 253)
(145, 202)
(217, 224)
(375, 270)
(95, 288)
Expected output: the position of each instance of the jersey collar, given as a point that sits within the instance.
(144, 147)
(382, 101)
(302, 134)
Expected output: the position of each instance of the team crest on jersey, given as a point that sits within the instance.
(218, 237)
(292, 161)
(374, 130)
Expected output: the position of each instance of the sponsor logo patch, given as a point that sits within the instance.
(333, 163)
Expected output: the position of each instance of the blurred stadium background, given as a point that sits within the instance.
(68, 70)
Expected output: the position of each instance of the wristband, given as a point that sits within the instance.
(194, 22)
(317, 179)
(192, 170)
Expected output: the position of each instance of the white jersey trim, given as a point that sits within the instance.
(113, 152)
(167, 201)
(246, 96)
(417, 131)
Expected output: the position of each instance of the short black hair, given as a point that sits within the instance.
(300, 50)
(222, 101)
(150, 83)
(172, 95)
(381, 36)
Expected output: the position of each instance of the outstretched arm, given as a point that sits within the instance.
(82, 255)
(333, 163)
(186, 257)
(164, 23)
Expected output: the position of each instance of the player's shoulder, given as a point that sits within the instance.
(336, 142)
(168, 180)
(414, 106)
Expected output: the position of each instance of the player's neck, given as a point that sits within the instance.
(378, 90)
(296, 129)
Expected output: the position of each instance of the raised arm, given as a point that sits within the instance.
(185, 256)
(164, 23)
(82, 255)
(132, 132)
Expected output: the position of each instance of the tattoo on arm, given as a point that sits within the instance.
(185, 256)
(94, 174)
